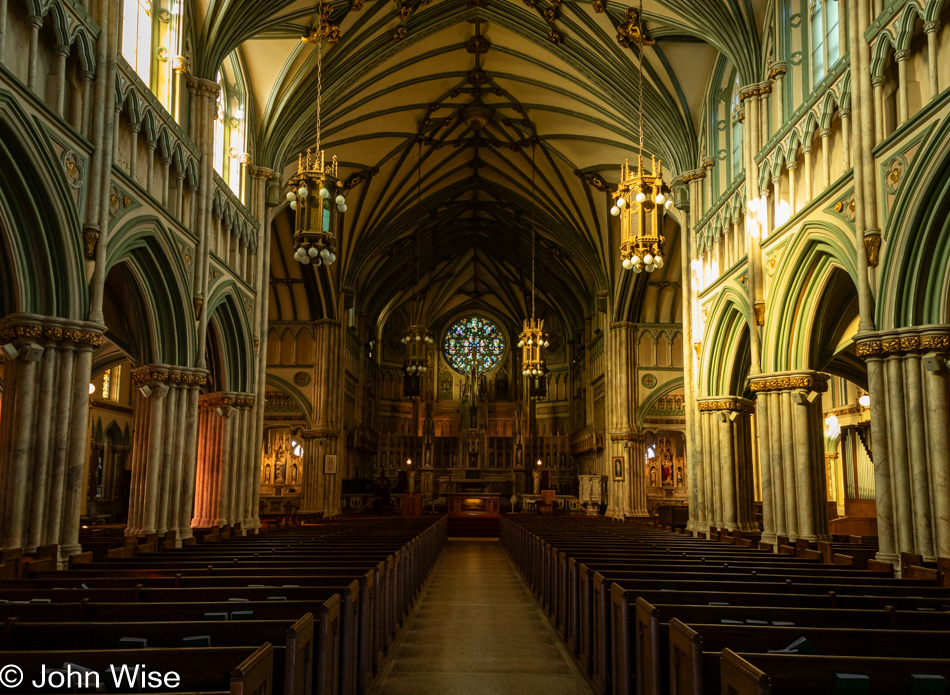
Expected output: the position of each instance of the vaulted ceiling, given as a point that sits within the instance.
(466, 94)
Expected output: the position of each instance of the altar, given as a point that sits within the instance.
(472, 504)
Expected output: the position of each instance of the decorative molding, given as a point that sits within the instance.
(807, 382)
(872, 246)
(26, 328)
(729, 403)
(162, 373)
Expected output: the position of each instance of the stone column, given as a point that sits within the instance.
(790, 402)
(627, 497)
(806, 151)
(322, 476)
(879, 132)
(221, 473)
(729, 430)
(43, 430)
(845, 115)
(163, 448)
(909, 424)
(902, 103)
(790, 167)
(935, 349)
(930, 29)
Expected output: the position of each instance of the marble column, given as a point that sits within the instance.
(728, 461)
(222, 474)
(323, 450)
(43, 430)
(903, 107)
(789, 409)
(162, 483)
(930, 29)
(908, 387)
(625, 497)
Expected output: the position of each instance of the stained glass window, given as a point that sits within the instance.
(473, 340)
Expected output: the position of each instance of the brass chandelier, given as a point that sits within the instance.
(417, 339)
(642, 198)
(532, 337)
(316, 188)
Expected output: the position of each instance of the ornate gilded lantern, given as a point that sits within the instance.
(532, 337)
(316, 194)
(531, 340)
(642, 200)
(417, 342)
(319, 205)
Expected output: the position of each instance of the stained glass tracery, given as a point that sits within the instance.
(473, 340)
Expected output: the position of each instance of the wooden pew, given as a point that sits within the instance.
(793, 674)
(296, 637)
(695, 650)
(240, 670)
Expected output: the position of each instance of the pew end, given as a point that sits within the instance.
(254, 675)
(739, 677)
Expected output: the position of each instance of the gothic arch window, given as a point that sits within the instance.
(230, 124)
(724, 134)
(824, 42)
(474, 342)
(137, 37)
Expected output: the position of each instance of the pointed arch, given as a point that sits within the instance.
(42, 266)
(795, 307)
(163, 289)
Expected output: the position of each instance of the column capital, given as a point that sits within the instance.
(725, 403)
(150, 374)
(778, 70)
(259, 172)
(222, 399)
(789, 381)
(916, 339)
(932, 27)
(901, 56)
(824, 132)
(198, 85)
(694, 175)
(877, 81)
(17, 328)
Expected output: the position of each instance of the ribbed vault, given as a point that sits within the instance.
(555, 83)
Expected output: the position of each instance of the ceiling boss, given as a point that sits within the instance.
(316, 188)
(642, 198)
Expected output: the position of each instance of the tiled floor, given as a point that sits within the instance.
(478, 630)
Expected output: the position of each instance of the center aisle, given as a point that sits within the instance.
(478, 630)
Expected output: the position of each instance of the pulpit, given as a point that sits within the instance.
(412, 504)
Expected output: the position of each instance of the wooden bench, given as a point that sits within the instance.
(794, 674)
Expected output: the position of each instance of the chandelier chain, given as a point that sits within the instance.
(534, 209)
(640, 69)
(416, 241)
(319, 68)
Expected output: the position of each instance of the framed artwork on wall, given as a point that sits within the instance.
(329, 463)
(618, 467)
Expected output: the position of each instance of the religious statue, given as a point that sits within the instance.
(280, 466)
(679, 476)
(473, 453)
(667, 463)
(536, 474)
(293, 474)
(653, 476)
(267, 474)
(411, 479)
